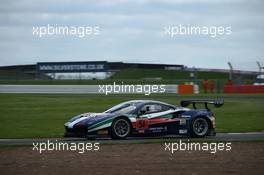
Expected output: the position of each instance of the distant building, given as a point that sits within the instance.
(92, 69)
(76, 70)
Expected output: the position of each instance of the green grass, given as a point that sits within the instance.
(35, 115)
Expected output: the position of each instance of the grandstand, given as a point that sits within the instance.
(18, 72)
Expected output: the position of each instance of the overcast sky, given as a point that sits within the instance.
(133, 31)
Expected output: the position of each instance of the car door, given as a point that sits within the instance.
(149, 116)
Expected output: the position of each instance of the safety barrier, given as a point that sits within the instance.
(188, 89)
(244, 89)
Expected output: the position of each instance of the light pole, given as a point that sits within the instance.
(231, 71)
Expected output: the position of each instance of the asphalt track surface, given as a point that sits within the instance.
(252, 136)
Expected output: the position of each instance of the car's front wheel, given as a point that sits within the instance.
(121, 128)
(199, 127)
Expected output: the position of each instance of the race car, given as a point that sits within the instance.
(145, 118)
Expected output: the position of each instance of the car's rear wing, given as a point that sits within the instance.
(217, 103)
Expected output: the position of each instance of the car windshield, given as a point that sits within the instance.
(123, 108)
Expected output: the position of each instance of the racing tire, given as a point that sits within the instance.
(121, 128)
(199, 127)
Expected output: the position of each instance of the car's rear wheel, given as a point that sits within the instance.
(200, 127)
(121, 128)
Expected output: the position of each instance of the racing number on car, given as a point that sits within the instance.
(142, 123)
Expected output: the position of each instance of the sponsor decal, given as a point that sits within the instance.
(183, 131)
(183, 121)
(103, 132)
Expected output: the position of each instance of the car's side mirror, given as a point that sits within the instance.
(142, 111)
